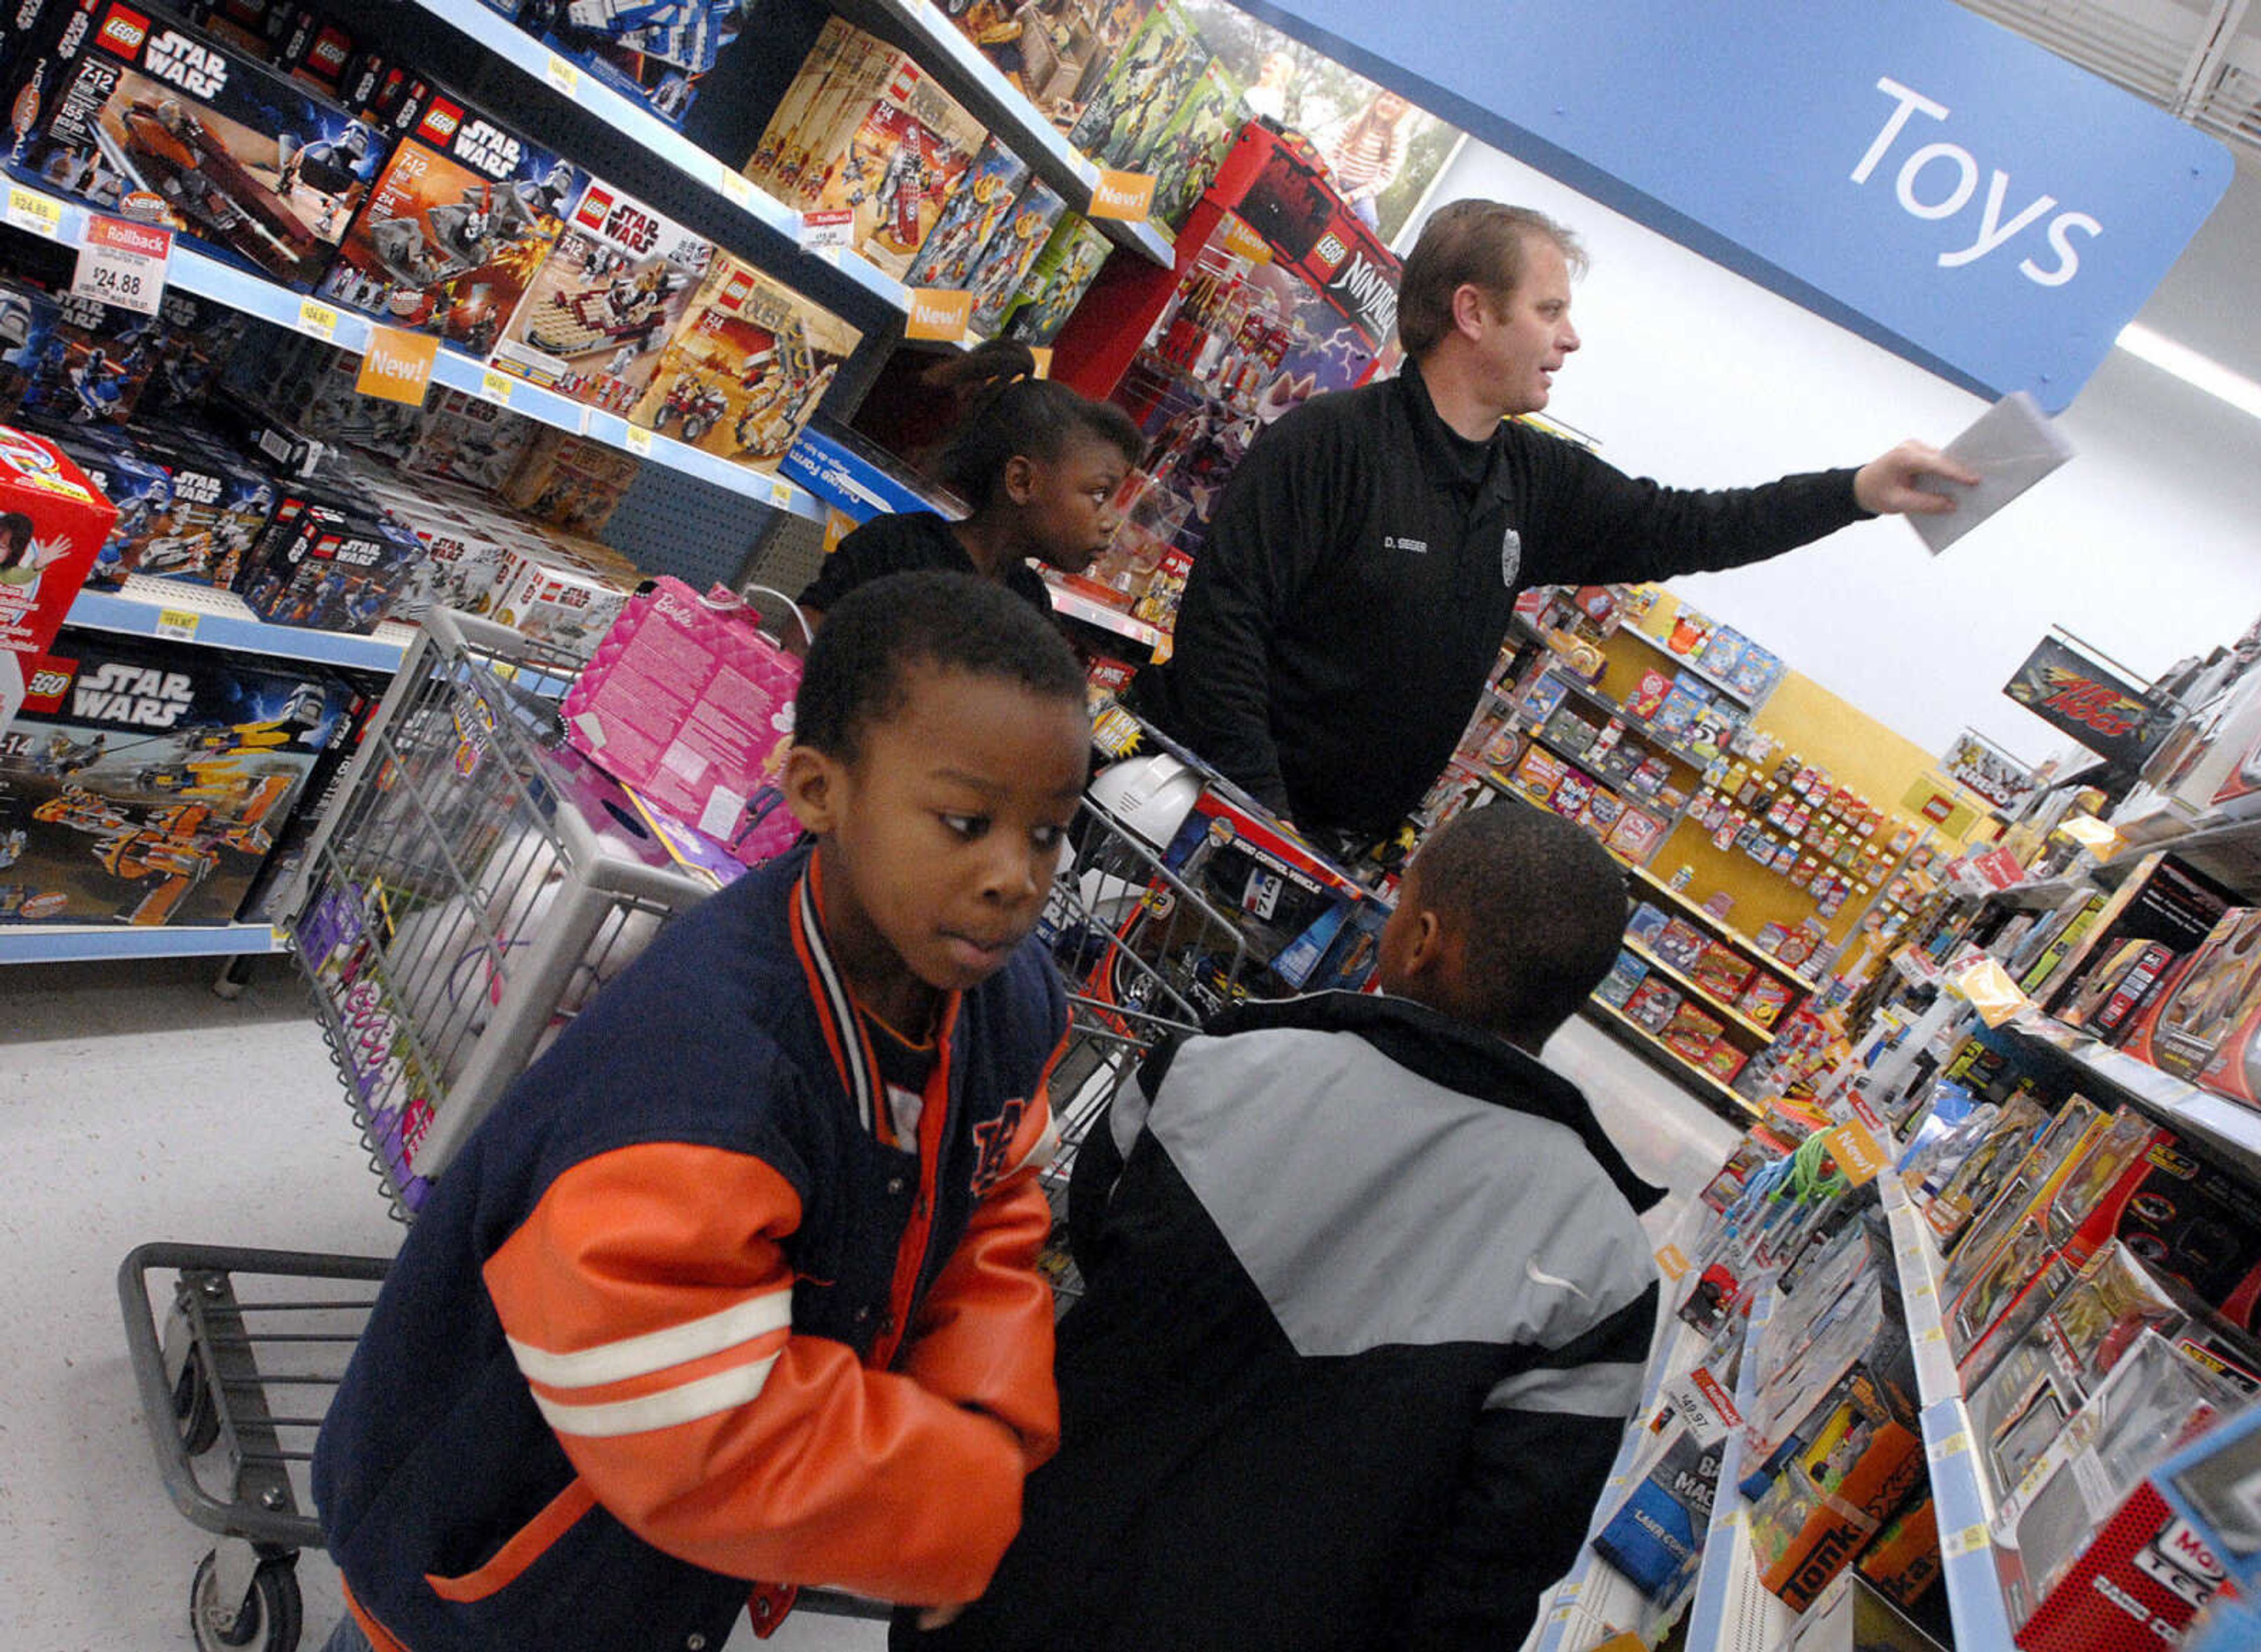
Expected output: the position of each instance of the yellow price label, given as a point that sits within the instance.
(496, 387)
(318, 320)
(1954, 1445)
(639, 441)
(40, 214)
(1672, 1261)
(735, 185)
(1933, 1334)
(562, 75)
(1968, 1541)
(180, 624)
(781, 494)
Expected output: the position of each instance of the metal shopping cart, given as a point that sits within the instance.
(473, 886)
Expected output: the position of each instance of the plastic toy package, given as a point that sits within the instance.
(143, 783)
(655, 50)
(455, 228)
(155, 120)
(605, 302)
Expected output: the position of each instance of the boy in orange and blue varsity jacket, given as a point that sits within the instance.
(734, 1290)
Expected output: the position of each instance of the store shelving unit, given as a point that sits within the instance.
(218, 619)
(2229, 1128)
(1727, 932)
(1731, 1608)
(192, 272)
(639, 125)
(1734, 1017)
(1697, 1073)
(79, 943)
(958, 65)
(1066, 600)
(1681, 661)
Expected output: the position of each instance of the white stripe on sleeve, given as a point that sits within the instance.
(723, 1391)
(1609, 1389)
(656, 1350)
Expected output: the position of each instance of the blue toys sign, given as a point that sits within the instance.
(1913, 171)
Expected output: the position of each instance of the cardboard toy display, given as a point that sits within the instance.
(147, 781)
(608, 298)
(143, 116)
(54, 522)
(746, 368)
(455, 228)
(975, 211)
(1005, 262)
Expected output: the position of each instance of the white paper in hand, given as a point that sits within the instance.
(2012, 446)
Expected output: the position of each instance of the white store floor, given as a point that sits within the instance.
(136, 1105)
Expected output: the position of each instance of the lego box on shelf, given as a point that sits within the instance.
(220, 508)
(143, 116)
(72, 361)
(147, 779)
(1006, 260)
(655, 51)
(608, 298)
(54, 522)
(746, 369)
(455, 228)
(975, 211)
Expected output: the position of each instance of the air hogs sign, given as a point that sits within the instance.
(2073, 694)
(1905, 168)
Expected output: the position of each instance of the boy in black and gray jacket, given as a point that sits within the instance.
(1368, 1304)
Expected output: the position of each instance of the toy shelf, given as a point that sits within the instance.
(218, 619)
(1965, 1507)
(78, 943)
(1735, 1017)
(958, 65)
(1731, 1608)
(1727, 931)
(1595, 1600)
(192, 272)
(2230, 1128)
(640, 126)
(1594, 1006)
(1640, 725)
(1066, 600)
(1681, 661)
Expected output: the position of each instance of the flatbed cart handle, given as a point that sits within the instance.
(146, 1348)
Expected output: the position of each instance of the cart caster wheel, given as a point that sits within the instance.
(268, 1618)
(196, 1408)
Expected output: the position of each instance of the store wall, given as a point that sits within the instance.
(2147, 545)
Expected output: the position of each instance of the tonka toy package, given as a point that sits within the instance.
(606, 301)
(53, 521)
(143, 783)
(746, 369)
(455, 228)
(655, 50)
(146, 116)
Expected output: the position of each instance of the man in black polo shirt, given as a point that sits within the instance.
(1357, 579)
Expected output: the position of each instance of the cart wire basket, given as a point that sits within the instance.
(477, 882)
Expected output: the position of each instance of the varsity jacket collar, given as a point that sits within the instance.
(1436, 441)
(845, 1036)
(1445, 1051)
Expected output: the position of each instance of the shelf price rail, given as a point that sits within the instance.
(192, 272)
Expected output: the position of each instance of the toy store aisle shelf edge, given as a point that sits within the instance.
(218, 619)
(993, 100)
(1974, 1589)
(209, 278)
(1730, 1607)
(506, 40)
(2227, 1126)
(96, 943)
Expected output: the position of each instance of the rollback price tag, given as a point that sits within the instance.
(828, 231)
(121, 263)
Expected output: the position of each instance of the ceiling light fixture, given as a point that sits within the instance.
(2185, 363)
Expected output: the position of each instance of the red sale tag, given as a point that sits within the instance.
(122, 262)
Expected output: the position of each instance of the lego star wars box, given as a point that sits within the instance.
(140, 493)
(52, 523)
(572, 482)
(67, 361)
(655, 51)
(746, 369)
(143, 783)
(608, 298)
(218, 508)
(141, 115)
(455, 228)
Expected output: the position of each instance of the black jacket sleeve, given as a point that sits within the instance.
(1538, 1464)
(1276, 521)
(1593, 523)
(882, 546)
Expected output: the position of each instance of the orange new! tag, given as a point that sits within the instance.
(938, 315)
(1125, 195)
(1244, 242)
(1672, 1261)
(396, 366)
(1858, 1153)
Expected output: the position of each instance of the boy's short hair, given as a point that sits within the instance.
(856, 668)
(1471, 242)
(1540, 907)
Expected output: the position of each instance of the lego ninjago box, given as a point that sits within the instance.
(136, 113)
(144, 783)
(455, 228)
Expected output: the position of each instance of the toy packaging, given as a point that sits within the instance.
(74, 362)
(1722, 972)
(2208, 1025)
(546, 592)
(1723, 651)
(220, 508)
(1947, 1207)
(1158, 64)
(974, 212)
(54, 522)
(573, 482)
(1186, 154)
(655, 51)
(1653, 1006)
(1006, 260)
(1537, 774)
(2215, 1486)
(1057, 280)
(1692, 1031)
(455, 228)
(1682, 704)
(143, 782)
(1636, 834)
(333, 570)
(1903, 1562)
(2159, 901)
(608, 298)
(1764, 1000)
(464, 438)
(1681, 944)
(746, 369)
(1646, 923)
(1625, 976)
(1057, 51)
(155, 120)
(1857, 1465)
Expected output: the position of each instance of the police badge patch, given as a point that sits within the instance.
(1510, 557)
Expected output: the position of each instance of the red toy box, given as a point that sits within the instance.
(52, 522)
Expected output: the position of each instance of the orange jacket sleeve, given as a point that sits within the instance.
(649, 1304)
(983, 1337)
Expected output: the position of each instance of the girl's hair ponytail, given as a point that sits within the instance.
(1030, 418)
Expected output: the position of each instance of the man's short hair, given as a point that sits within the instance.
(1540, 907)
(857, 668)
(1468, 242)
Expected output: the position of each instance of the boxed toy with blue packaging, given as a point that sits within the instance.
(655, 51)
(141, 490)
(67, 361)
(219, 509)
